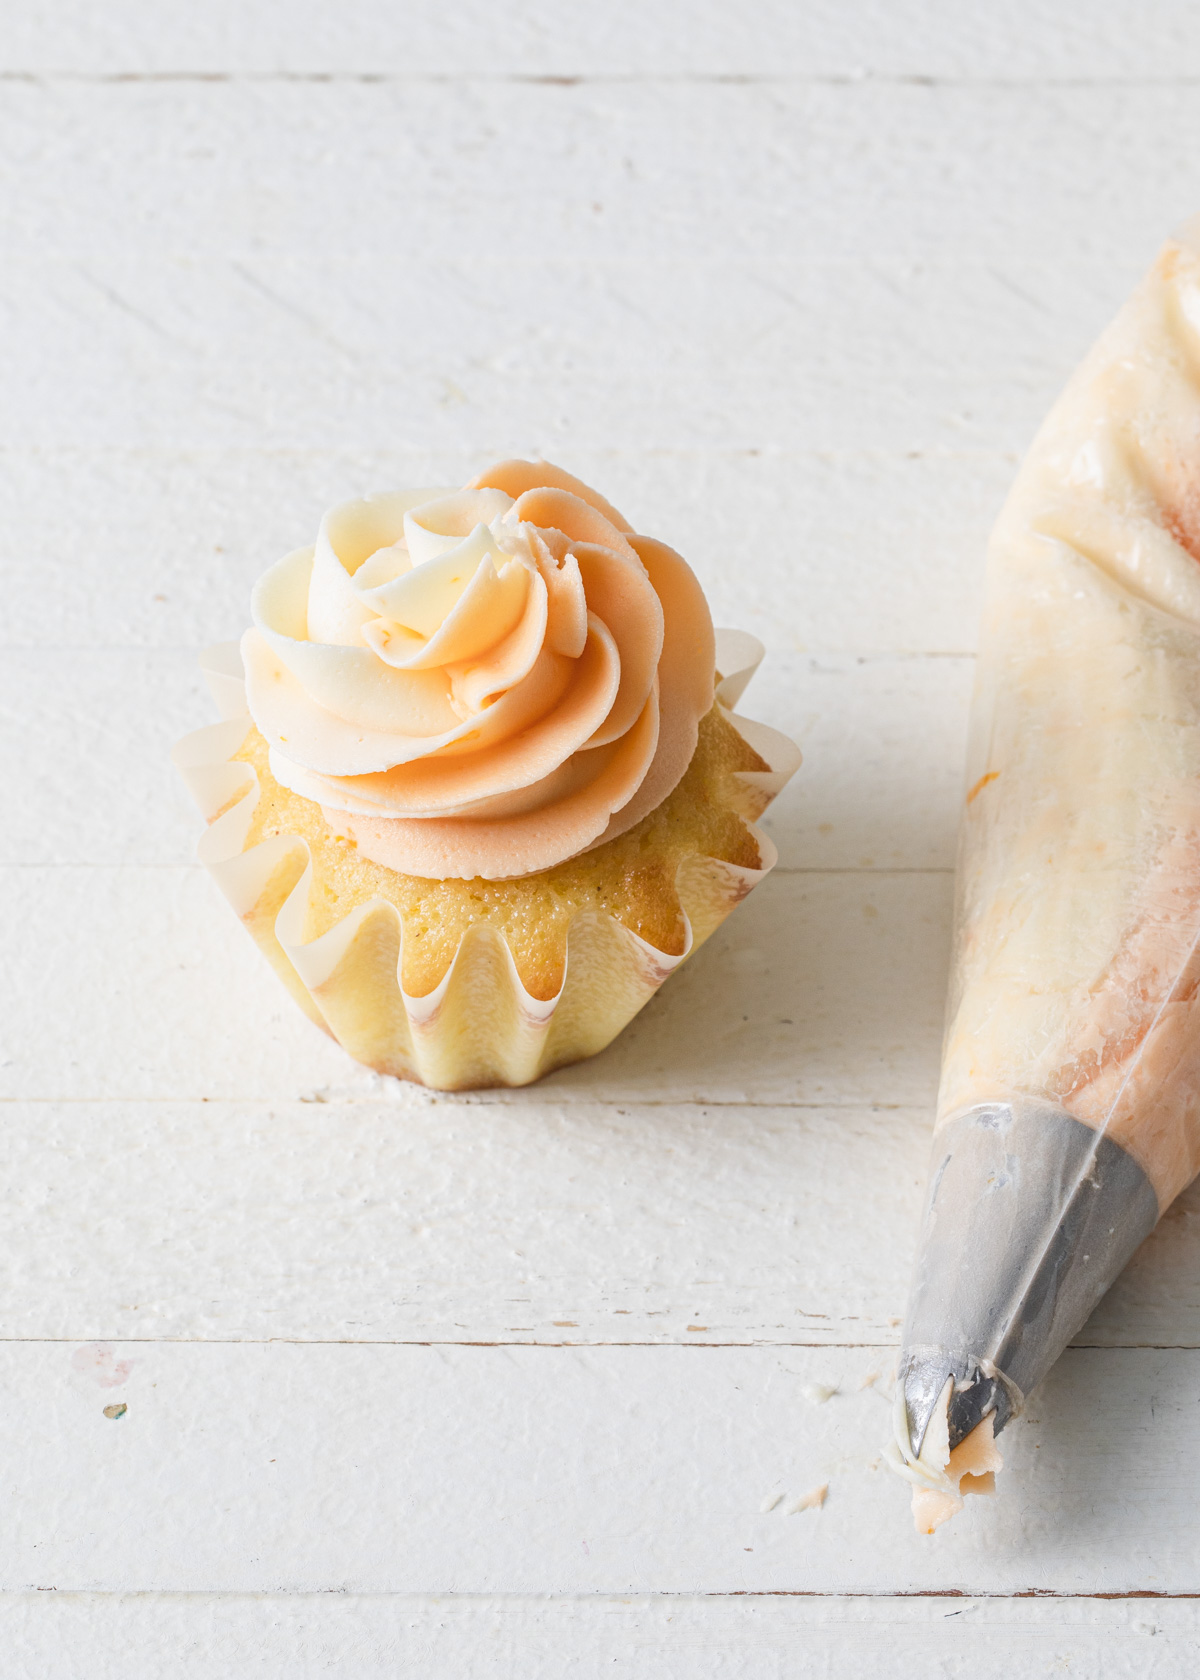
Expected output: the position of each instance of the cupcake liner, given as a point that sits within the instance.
(479, 1026)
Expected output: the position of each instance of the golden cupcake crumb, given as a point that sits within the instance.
(631, 878)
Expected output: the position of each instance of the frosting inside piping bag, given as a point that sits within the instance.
(482, 682)
(1069, 1107)
(1077, 963)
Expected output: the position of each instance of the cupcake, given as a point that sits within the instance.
(480, 789)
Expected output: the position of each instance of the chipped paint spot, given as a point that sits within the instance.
(818, 1393)
(770, 1502)
(98, 1361)
(117, 1411)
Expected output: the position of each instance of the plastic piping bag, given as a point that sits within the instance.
(1069, 1108)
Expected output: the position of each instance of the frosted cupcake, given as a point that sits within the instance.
(480, 788)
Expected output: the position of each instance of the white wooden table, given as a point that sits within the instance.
(503, 1387)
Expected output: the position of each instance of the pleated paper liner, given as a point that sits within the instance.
(479, 1026)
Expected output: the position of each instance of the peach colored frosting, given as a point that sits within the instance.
(484, 681)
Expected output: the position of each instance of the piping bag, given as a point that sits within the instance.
(1069, 1107)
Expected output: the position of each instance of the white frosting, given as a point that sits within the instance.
(483, 681)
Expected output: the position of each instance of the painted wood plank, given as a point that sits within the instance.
(868, 175)
(666, 1637)
(857, 552)
(200, 354)
(617, 1469)
(1116, 39)
(136, 984)
(240, 300)
(436, 1220)
(906, 271)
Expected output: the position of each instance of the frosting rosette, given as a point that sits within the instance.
(480, 682)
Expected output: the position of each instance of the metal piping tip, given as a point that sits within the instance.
(1030, 1216)
(922, 1377)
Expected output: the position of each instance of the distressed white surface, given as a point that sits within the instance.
(1108, 40)
(839, 981)
(278, 1467)
(364, 1222)
(793, 284)
(413, 1220)
(665, 1637)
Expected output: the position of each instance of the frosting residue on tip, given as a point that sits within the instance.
(941, 1477)
(480, 682)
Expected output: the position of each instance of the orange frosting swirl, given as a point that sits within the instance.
(481, 682)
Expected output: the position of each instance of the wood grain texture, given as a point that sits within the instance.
(825, 987)
(1115, 41)
(794, 285)
(430, 264)
(428, 1220)
(299, 1636)
(431, 1220)
(282, 1467)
